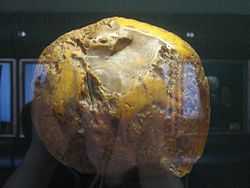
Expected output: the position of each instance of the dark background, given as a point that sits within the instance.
(147, 6)
(222, 39)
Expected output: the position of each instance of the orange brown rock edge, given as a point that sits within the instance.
(119, 94)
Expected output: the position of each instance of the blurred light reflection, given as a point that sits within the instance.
(191, 94)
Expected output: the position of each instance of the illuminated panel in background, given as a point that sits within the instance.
(7, 97)
(5, 93)
(29, 70)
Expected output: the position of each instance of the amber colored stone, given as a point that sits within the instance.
(119, 94)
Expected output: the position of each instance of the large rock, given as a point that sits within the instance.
(122, 93)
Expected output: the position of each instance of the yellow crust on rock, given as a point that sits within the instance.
(181, 46)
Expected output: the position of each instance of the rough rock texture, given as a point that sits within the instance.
(121, 93)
